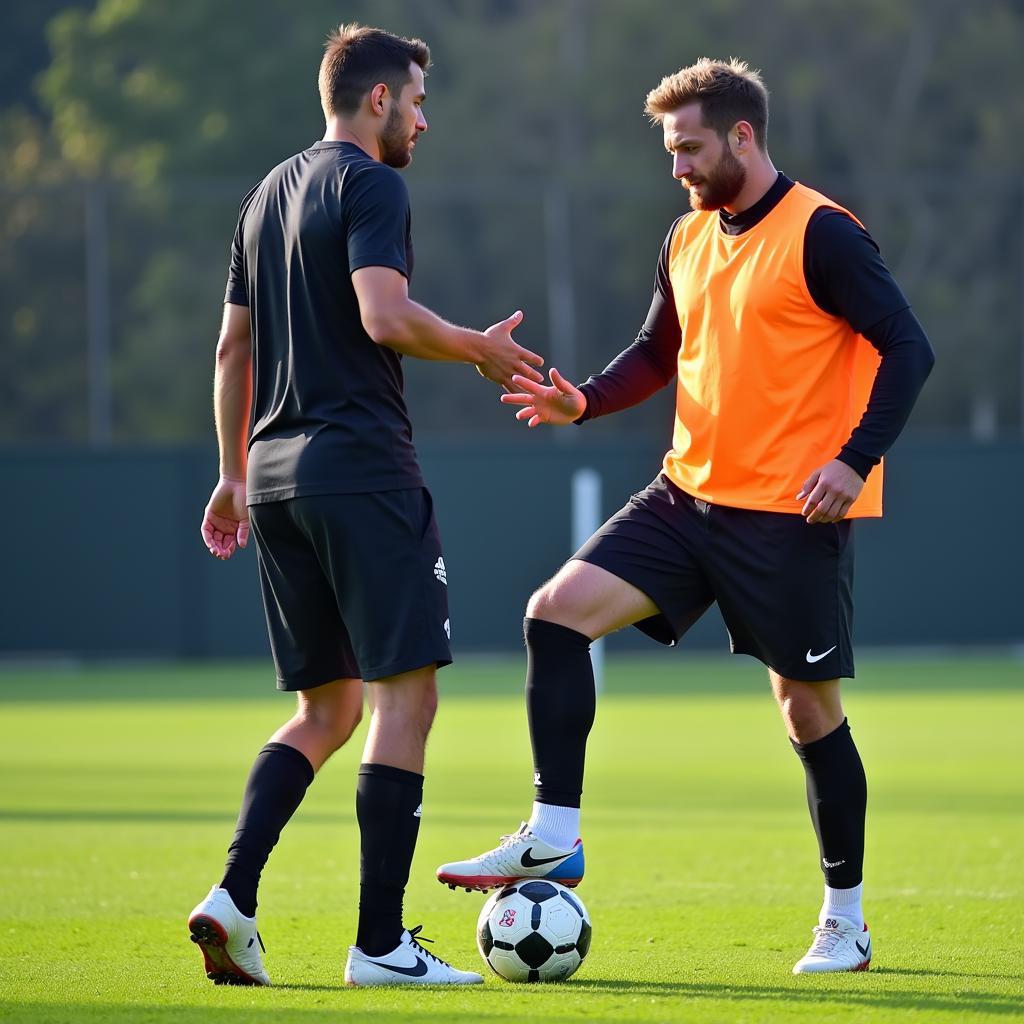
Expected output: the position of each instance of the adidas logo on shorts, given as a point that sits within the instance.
(440, 572)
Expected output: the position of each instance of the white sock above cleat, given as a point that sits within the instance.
(843, 903)
(407, 964)
(839, 945)
(555, 825)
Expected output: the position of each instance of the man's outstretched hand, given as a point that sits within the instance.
(503, 357)
(557, 403)
(226, 519)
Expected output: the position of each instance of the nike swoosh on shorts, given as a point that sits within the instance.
(812, 658)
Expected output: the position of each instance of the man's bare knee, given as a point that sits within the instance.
(809, 710)
(346, 723)
(407, 700)
(544, 603)
(802, 718)
(335, 713)
(590, 600)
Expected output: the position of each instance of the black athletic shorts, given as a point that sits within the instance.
(784, 587)
(354, 585)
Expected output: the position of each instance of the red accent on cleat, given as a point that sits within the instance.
(211, 938)
(482, 883)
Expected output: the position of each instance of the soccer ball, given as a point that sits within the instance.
(534, 931)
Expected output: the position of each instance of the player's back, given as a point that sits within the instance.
(328, 411)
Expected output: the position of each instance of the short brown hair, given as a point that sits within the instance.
(727, 91)
(356, 58)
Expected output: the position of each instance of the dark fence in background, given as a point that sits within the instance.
(104, 556)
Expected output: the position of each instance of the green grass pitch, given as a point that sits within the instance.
(118, 790)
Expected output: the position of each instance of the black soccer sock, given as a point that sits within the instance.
(837, 796)
(277, 783)
(388, 802)
(560, 704)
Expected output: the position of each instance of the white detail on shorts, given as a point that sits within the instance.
(440, 572)
(448, 628)
(418, 813)
(812, 658)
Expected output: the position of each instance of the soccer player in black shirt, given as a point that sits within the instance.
(316, 454)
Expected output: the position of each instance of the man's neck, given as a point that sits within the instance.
(761, 175)
(338, 130)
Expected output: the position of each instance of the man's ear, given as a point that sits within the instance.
(378, 94)
(744, 135)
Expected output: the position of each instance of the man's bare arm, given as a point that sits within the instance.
(391, 318)
(225, 524)
(232, 390)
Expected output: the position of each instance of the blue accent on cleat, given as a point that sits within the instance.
(571, 868)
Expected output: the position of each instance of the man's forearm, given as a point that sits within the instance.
(907, 359)
(232, 395)
(645, 367)
(629, 379)
(414, 330)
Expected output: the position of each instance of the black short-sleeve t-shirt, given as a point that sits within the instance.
(328, 413)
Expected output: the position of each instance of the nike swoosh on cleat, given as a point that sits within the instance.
(529, 862)
(863, 949)
(412, 972)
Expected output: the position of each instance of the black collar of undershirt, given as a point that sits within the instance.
(737, 223)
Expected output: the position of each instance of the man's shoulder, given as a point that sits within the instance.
(678, 222)
(819, 204)
(364, 176)
(347, 172)
(833, 231)
(247, 201)
(285, 166)
(333, 158)
(805, 193)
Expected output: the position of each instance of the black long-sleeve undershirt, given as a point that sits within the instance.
(846, 277)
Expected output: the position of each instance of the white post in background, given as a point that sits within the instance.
(586, 518)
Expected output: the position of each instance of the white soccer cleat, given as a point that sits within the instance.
(839, 945)
(520, 855)
(407, 964)
(229, 941)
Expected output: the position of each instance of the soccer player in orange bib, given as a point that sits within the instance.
(797, 361)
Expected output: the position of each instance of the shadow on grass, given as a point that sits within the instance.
(313, 988)
(984, 1002)
(434, 1009)
(131, 815)
(670, 996)
(920, 971)
(146, 816)
(135, 1013)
